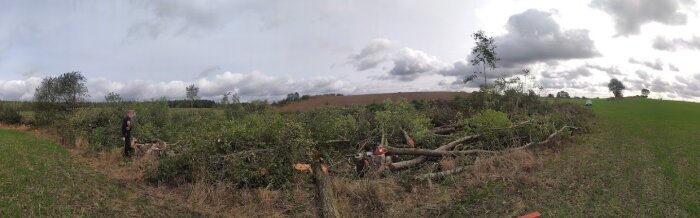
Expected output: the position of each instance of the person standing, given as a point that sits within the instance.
(127, 126)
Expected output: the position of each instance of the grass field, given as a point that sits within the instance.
(640, 160)
(39, 179)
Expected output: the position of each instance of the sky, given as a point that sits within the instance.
(264, 49)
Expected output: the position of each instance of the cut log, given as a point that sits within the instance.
(409, 140)
(325, 192)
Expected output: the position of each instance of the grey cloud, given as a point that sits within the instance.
(661, 43)
(410, 64)
(562, 83)
(458, 68)
(673, 68)
(177, 16)
(569, 74)
(208, 71)
(643, 75)
(376, 52)
(534, 36)
(630, 15)
(612, 71)
(656, 65)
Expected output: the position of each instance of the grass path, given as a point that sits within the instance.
(642, 160)
(39, 179)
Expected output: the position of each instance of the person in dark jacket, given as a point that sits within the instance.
(127, 126)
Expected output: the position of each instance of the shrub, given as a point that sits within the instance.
(493, 127)
(10, 116)
(402, 114)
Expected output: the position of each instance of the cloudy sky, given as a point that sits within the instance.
(265, 48)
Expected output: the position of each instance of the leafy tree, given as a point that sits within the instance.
(192, 93)
(645, 93)
(113, 97)
(563, 94)
(616, 87)
(57, 96)
(483, 53)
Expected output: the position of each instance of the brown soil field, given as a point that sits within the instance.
(321, 101)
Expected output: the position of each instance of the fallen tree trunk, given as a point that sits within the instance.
(439, 174)
(415, 161)
(325, 191)
(434, 153)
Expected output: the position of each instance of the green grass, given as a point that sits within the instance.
(641, 160)
(39, 179)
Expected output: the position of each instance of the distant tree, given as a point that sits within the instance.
(616, 87)
(113, 97)
(550, 95)
(292, 97)
(645, 93)
(57, 96)
(224, 100)
(192, 93)
(483, 53)
(233, 99)
(563, 94)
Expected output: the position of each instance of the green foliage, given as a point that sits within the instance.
(493, 127)
(337, 123)
(9, 116)
(402, 114)
(56, 96)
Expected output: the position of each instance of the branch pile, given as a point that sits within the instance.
(380, 161)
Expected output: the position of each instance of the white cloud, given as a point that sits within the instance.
(19, 89)
(251, 86)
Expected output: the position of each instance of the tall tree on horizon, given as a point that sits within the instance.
(483, 53)
(192, 93)
(616, 87)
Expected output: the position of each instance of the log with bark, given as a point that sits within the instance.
(415, 161)
(325, 191)
(435, 153)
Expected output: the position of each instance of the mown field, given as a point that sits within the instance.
(640, 160)
(39, 179)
